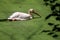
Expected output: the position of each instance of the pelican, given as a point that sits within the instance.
(23, 16)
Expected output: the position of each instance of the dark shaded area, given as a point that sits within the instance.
(47, 2)
(48, 16)
(56, 28)
(58, 18)
(55, 12)
(54, 36)
(50, 33)
(2, 20)
(52, 1)
(53, 7)
(50, 24)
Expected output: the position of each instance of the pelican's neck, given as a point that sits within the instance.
(29, 13)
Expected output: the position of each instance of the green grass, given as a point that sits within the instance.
(25, 30)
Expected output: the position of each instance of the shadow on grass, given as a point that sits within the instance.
(3, 20)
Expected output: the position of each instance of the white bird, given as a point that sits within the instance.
(22, 16)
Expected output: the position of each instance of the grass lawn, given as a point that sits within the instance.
(26, 30)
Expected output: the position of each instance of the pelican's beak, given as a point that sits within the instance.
(36, 14)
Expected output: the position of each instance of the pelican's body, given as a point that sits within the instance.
(20, 16)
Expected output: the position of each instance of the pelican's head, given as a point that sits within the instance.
(32, 11)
